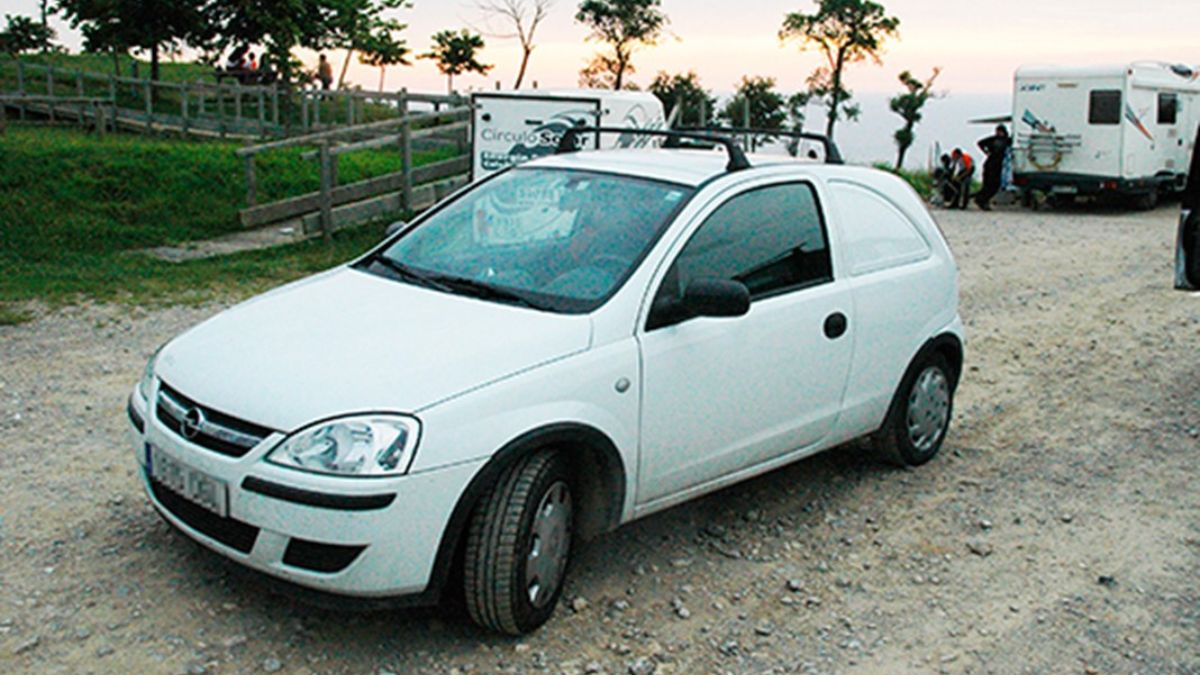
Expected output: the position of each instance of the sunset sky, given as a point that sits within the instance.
(978, 44)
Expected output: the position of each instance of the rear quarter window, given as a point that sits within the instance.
(1104, 106)
(876, 235)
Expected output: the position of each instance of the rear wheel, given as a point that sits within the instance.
(920, 415)
(1146, 201)
(518, 545)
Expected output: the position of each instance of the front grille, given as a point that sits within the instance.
(233, 533)
(318, 557)
(206, 427)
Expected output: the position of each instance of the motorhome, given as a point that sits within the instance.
(1104, 131)
(516, 126)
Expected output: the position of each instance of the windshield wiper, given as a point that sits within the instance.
(479, 289)
(409, 274)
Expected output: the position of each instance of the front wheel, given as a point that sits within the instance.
(920, 416)
(518, 545)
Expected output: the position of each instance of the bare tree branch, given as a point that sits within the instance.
(521, 18)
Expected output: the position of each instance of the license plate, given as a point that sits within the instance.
(1064, 189)
(191, 484)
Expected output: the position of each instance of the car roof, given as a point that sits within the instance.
(683, 166)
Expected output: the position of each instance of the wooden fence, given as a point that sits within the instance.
(411, 188)
(207, 108)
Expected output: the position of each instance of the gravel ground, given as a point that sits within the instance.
(1057, 531)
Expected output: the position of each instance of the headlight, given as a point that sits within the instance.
(147, 381)
(363, 445)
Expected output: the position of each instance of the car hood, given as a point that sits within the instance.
(347, 341)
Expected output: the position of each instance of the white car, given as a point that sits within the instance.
(561, 348)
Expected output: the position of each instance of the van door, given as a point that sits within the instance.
(722, 395)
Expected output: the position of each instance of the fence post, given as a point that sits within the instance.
(275, 105)
(318, 99)
(237, 106)
(98, 111)
(303, 112)
(251, 182)
(350, 109)
(326, 192)
(221, 108)
(50, 89)
(406, 162)
(21, 86)
(148, 92)
(262, 113)
(79, 93)
(183, 106)
(112, 91)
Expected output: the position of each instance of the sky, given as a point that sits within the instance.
(977, 43)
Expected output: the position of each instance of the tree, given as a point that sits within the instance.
(23, 34)
(523, 16)
(281, 26)
(756, 96)
(382, 49)
(362, 24)
(908, 106)
(454, 54)
(153, 25)
(698, 104)
(845, 32)
(624, 25)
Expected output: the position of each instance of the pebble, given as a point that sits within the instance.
(578, 604)
(642, 666)
(1066, 517)
(104, 651)
(795, 585)
(620, 605)
(272, 665)
(979, 547)
(764, 629)
(27, 645)
(593, 667)
(82, 634)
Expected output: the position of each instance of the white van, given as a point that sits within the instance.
(1120, 130)
(515, 126)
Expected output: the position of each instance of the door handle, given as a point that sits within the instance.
(835, 325)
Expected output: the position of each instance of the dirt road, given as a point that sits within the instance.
(1058, 531)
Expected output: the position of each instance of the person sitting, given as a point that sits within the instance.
(963, 170)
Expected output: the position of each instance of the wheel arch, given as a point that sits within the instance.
(596, 465)
(949, 346)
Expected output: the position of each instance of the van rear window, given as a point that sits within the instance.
(1104, 106)
(1167, 105)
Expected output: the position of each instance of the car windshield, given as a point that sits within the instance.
(551, 239)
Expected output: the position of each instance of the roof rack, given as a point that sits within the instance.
(832, 155)
(737, 158)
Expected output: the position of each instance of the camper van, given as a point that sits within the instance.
(1104, 131)
(516, 126)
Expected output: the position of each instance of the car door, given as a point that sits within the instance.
(721, 395)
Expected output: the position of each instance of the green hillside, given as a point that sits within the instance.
(75, 207)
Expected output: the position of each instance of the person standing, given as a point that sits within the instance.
(996, 148)
(962, 171)
(324, 72)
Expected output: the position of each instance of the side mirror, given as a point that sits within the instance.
(716, 297)
(396, 227)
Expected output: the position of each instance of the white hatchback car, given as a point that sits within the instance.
(554, 351)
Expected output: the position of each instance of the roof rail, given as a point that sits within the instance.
(737, 158)
(832, 154)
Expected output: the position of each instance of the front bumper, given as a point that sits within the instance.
(366, 538)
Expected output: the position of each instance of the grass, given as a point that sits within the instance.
(75, 208)
(103, 65)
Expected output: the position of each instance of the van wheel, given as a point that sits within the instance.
(920, 413)
(518, 546)
(1147, 201)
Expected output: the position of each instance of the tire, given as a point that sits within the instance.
(920, 414)
(518, 545)
(1191, 248)
(1146, 201)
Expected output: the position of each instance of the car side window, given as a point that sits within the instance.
(772, 239)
